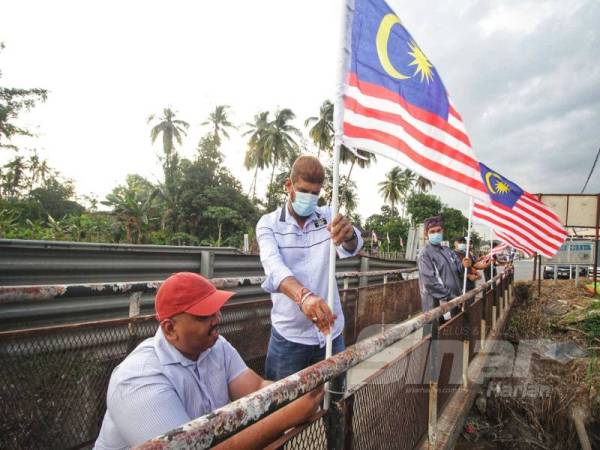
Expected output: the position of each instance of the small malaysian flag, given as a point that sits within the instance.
(518, 217)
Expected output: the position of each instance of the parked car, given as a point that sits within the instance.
(563, 271)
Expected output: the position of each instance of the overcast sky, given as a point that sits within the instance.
(525, 75)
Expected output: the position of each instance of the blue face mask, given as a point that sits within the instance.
(305, 203)
(436, 238)
(462, 247)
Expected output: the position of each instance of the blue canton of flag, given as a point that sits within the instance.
(384, 53)
(499, 188)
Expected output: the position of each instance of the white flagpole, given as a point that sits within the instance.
(491, 256)
(338, 123)
(468, 243)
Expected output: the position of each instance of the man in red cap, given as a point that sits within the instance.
(185, 371)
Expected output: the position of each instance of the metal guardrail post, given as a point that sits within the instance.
(505, 283)
(335, 421)
(135, 300)
(364, 267)
(433, 385)
(207, 264)
(466, 346)
(385, 282)
(482, 321)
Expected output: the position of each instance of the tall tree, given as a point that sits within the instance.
(132, 204)
(393, 187)
(220, 123)
(172, 130)
(255, 154)
(322, 132)
(13, 101)
(420, 206)
(279, 140)
(423, 184)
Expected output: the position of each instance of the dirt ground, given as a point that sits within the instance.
(536, 411)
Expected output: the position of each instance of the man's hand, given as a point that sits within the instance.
(341, 229)
(319, 313)
(309, 404)
(466, 262)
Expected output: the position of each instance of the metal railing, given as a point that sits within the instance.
(396, 407)
(92, 282)
(53, 379)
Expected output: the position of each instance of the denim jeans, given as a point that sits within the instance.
(285, 357)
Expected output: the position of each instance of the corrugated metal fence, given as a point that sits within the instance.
(34, 263)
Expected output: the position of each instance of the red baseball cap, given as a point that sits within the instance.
(191, 293)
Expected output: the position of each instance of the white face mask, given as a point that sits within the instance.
(304, 204)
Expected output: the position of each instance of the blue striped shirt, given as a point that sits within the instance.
(156, 389)
(288, 250)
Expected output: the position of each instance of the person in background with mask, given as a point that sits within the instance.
(460, 246)
(294, 245)
(440, 269)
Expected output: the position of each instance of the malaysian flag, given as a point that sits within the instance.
(396, 105)
(514, 244)
(518, 217)
(498, 249)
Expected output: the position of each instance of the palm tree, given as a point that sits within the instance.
(172, 130)
(392, 188)
(14, 179)
(348, 156)
(255, 154)
(219, 121)
(322, 132)
(348, 197)
(278, 139)
(423, 184)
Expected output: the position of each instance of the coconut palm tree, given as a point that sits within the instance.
(393, 187)
(279, 140)
(322, 132)
(172, 130)
(219, 121)
(255, 154)
(423, 184)
(14, 176)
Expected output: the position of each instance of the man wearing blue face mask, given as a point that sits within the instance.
(294, 250)
(440, 270)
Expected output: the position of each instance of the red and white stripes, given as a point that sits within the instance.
(528, 225)
(381, 121)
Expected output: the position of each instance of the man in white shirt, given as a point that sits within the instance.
(294, 245)
(185, 371)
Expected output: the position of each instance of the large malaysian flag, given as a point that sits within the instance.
(396, 105)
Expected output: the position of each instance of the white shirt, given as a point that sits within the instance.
(156, 389)
(288, 250)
